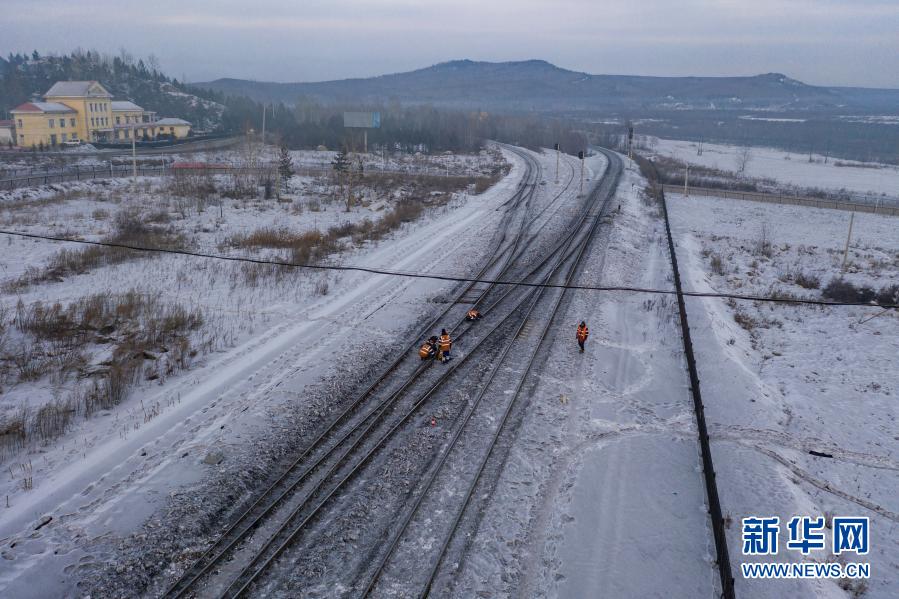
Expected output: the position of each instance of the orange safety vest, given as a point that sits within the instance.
(426, 351)
(472, 314)
(582, 333)
(445, 343)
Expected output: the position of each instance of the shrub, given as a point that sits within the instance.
(807, 281)
(841, 290)
(717, 264)
(889, 295)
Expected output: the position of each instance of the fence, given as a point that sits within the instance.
(708, 468)
(888, 206)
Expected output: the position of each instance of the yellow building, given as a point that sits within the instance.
(92, 103)
(128, 117)
(174, 128)
(45, 123)
(83, 111)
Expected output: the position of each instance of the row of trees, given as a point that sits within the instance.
(309, 124)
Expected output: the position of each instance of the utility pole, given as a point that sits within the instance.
(557, 163)
(686, 179)
(630, 142)
(848, 237)
(263, 124)
(133, 156)
(581, 156)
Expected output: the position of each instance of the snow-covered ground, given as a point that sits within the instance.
(780, 381)
(788, 167)
(602, 494)
(273, 343)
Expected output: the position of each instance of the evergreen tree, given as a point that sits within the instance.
(341, 163)
(285, 166)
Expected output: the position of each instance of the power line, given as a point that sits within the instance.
(444, 277)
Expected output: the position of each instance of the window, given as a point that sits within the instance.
(51, 123)
(92, 121)
(20, 123)
(64, 136)
(53, 139)
(72, 122)
(118, 120)
(22, 139)
(127, 134)
(62, 123)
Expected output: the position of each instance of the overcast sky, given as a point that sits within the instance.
(827, 42)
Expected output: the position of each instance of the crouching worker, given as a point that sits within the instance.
(473, 314)
(429, 349)
(444, 345)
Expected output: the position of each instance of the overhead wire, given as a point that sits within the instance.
(446, 277)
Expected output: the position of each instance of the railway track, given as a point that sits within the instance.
(481, 425)
(268, 554)
(277, 493)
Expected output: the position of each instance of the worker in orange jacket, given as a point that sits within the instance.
(582, 333)
(429, 349)
(444, 345)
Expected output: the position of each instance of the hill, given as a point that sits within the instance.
(539, 85)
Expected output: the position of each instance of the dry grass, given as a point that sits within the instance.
(311, 247)
(146, 338)
(129, 229)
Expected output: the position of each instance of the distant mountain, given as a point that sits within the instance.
(539, 85)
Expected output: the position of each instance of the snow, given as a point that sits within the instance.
(789, 167)
(798, 379)
(105, 477)
(602, 494)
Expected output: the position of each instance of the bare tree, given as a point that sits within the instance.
(744, 156)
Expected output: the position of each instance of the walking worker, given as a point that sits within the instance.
(444, 345)
(473, 314)
(582, 333)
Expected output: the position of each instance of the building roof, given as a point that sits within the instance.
(7, 123)
(170, 121)
(123, 105)
(50, 107)
(70, 89)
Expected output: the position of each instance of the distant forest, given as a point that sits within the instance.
(306, 124)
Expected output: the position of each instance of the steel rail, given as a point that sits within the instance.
(435, 471)
(216, 552)
(250, 577)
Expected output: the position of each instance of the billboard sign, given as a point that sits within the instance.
(362, 120)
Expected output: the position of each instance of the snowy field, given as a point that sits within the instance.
(781, 381)
(239, 333)
(788, 167)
